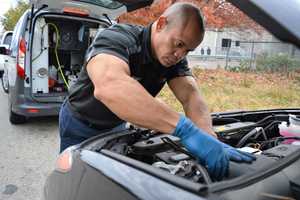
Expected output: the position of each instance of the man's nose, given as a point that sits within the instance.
(179, 54)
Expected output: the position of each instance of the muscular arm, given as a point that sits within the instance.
(126, 97)
(186, 91)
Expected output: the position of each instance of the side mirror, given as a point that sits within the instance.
(3, 51)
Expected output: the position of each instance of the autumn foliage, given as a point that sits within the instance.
(218, 14)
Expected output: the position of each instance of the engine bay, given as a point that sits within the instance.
(261, 138)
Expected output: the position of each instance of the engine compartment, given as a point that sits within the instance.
(162, 151)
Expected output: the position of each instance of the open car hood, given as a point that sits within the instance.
(94, 8)
(281, 18)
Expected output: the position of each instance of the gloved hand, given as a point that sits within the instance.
(209, 150)
(238, 156)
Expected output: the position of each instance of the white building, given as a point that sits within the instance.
(221, 48)
(238, 43)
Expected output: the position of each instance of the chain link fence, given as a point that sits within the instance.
(248, 55)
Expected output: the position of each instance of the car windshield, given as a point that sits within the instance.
(241, 66)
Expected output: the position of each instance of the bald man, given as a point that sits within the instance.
(126, 67)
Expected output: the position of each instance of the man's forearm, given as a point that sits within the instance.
(198, 112)
(131, 102)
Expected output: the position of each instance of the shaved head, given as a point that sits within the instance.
(179, 30)
(182, 13)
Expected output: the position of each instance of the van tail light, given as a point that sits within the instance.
(33, 110)
(21, 59)
(65, 160)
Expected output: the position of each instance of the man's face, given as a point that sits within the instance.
(171, 44)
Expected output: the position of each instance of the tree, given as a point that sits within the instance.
(218, 14)
(12, 16)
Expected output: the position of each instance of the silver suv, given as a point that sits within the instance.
(47, 51)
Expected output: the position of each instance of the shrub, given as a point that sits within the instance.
(277, 63)
(244, 66)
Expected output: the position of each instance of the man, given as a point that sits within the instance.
(126, 66)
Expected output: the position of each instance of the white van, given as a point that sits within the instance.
(48, 48)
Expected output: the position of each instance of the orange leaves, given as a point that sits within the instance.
(212, 20)
(146, 15)
(218, 14)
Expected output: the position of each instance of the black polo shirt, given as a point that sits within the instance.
(132, 44)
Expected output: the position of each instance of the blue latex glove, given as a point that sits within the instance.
(238, 156)
(209, 150)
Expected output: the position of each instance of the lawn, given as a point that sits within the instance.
(229, 91)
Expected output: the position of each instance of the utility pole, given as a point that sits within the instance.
(252, 50)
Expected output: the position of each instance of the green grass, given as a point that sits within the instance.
(228, 91)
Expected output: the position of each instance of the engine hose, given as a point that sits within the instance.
(204, 173)
(246, 137)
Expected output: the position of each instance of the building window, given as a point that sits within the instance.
(202, 51)
(237, 43)
(226, 42)
(208, 51)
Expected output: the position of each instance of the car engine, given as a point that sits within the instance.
(261, 138)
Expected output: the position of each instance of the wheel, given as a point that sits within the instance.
(4, 82)
(16, 119)
(4, 85)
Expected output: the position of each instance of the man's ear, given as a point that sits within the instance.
(161, 23)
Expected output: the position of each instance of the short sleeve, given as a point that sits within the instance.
(180, 69)
(111, 42)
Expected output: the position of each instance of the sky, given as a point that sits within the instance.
(5, 5)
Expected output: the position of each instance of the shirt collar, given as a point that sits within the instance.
(148, 56)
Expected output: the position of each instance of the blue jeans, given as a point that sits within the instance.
(72, 131)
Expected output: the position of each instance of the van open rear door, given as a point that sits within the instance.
(92, 8)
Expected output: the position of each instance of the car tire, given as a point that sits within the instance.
(16, 118)
(4, 85)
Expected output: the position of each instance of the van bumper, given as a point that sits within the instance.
(37, 110)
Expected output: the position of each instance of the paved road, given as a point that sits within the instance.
(27, 154)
